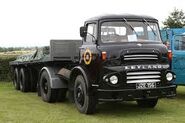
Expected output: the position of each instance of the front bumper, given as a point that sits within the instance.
(135, 94)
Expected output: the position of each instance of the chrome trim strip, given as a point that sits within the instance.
(126, 56)
(142, 73)
(145, 58)
(143, 77)
(143, 81)
(94, 85)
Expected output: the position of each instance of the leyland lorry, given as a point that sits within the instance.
(120, 58)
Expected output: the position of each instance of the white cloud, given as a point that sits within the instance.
(35, 22)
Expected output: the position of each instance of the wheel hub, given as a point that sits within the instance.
(45, 87)
(80, 95)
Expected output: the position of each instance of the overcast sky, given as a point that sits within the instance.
(35, 22)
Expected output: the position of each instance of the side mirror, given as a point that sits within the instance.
(83, 31)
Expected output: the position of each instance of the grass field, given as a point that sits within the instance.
(19, 107)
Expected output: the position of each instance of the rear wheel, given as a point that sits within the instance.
(147, 103)
(16, 79)
(47, 94)
(84, 102)
(24, 80)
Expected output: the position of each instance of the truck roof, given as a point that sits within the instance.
(126, 16)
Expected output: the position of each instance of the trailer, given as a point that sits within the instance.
(120, 58)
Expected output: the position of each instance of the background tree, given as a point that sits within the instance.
(176, 19)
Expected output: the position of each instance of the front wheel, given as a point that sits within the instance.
(84, 102)
(147, 103)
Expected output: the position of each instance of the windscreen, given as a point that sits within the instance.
(121, 31)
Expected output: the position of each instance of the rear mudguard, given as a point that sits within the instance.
(55, 81)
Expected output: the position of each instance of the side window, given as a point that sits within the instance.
(179, 43)
(91, 29)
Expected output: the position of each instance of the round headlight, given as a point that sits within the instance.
(169, 76)
(114, 79)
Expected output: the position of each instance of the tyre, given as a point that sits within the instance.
(84, 102)
(147, 103)
(47, 94)
(24, 80)
(16, 79)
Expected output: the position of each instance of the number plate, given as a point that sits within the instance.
(145, 85)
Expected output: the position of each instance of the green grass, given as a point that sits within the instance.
(19, 107)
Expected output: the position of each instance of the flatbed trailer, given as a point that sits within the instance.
(120, 58)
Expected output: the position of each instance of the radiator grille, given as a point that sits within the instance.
(144, 76)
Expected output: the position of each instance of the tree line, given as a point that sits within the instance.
(10, 49)
(176, 19)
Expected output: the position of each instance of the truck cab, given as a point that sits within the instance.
(177, 60)
(174, 38)
(126, 59)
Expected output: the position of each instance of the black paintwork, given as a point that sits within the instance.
(114, 62)
(113, 65)
(116, 50)
(126, 16)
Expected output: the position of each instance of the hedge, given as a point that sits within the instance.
(5, 68)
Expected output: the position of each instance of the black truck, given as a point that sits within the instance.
(120, 58)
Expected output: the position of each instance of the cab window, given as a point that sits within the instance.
(179, 43)
(91, 33)
(119, 31)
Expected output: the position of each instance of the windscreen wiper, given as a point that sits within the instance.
(147, 24)
(126, 22)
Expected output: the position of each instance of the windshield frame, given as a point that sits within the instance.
(129, 20)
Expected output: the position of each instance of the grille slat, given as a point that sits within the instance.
(143, 81)
(141, 57)
(126, 56)
(143, 76)
(143, 72)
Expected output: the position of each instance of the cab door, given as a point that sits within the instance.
(178, 58)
